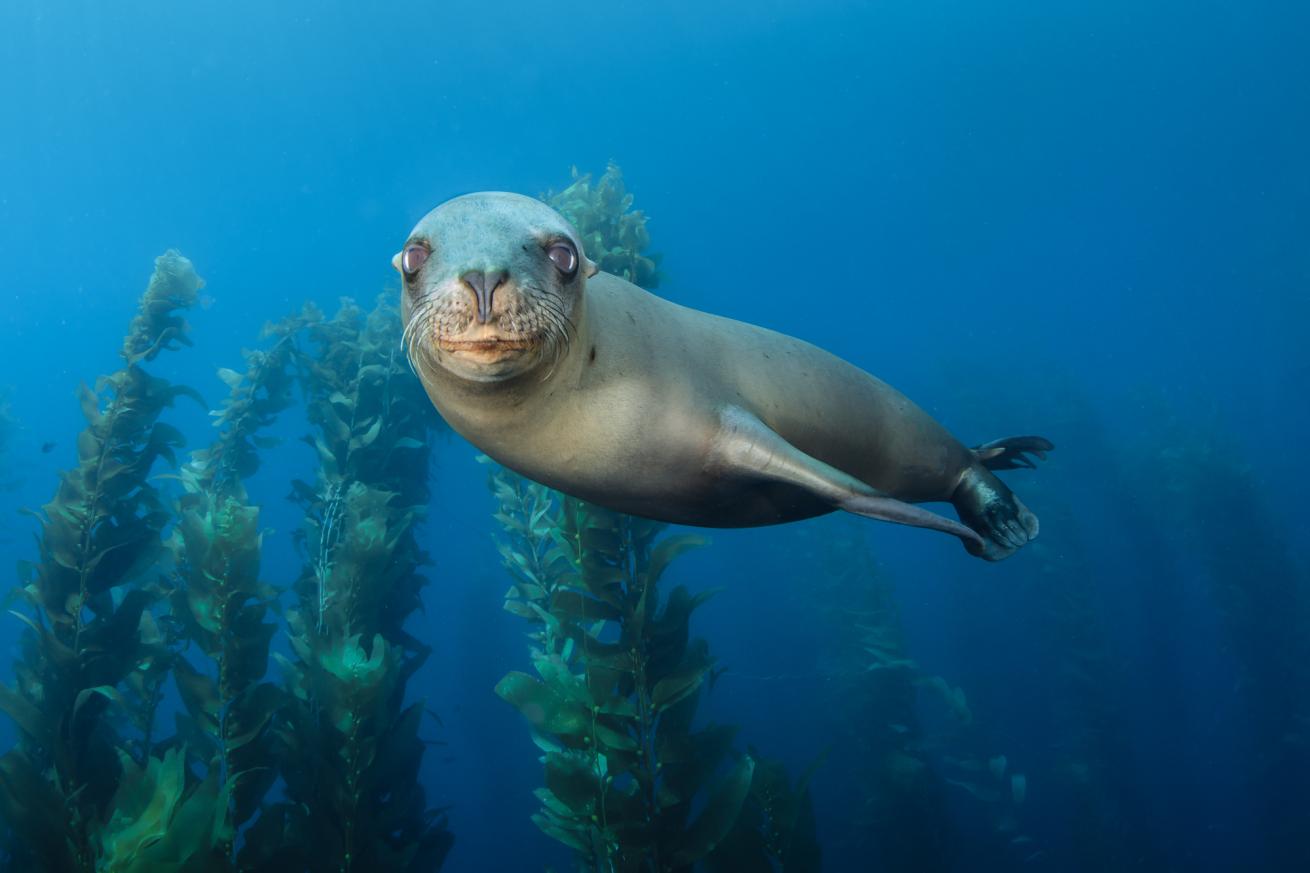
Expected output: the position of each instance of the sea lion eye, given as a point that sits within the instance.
(413, 259)
(564, 257)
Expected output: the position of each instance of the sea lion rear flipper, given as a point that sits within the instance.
(1012, 452)
(988, 506)
(745, 446)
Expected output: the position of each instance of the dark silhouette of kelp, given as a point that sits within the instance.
(75, 793)
(911, 781)
(902, 821)
(1090, 772)
(1194, 472)
(1095, 772)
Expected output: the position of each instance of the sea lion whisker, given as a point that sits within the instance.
(421, 321)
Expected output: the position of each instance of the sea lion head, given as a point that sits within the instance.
(492, 284)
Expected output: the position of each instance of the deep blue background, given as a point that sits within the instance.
(1071, 212)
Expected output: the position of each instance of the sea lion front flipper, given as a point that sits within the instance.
(746, 447)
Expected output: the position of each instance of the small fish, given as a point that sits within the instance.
(48, 447)
(206, 301)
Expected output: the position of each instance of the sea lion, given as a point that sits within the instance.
(584, 382)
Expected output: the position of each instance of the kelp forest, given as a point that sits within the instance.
(178, 707)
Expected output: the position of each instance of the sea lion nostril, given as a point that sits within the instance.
(483, 284)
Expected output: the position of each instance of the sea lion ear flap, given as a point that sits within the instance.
(395, 262)
(589, 267)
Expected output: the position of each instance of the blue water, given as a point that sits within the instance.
(1090, 221)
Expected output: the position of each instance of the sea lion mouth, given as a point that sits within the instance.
(489, 349)
(502, 344)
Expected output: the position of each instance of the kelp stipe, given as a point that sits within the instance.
(350, 748)
(76, 795)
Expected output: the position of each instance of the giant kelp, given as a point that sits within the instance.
(613, 234)
(76, 794)
(120, 609)
(1091, 773)
(219, 604)
(1199, 477)
(349, 744)
(905, 772)
(631, 784)
(901, 820)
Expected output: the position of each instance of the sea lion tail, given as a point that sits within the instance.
(1012, 453)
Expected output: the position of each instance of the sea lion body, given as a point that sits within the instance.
(662, 411)
(650, 399)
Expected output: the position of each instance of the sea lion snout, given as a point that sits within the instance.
(483, 284)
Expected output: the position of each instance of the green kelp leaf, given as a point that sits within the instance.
(198, 825)
(545, 708)
(668, 550)
(521, 609)
(720, 813)
(671, 689)
(689, 761)
(614, 740)
(53, 649)
(552, 803)
(142, 811)
(367, 437)
(90, 403)
(579, 607)
(199, 694)
(573, 782)
(108, 692)
(250, 713)
(560, 831)
(89, 447)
